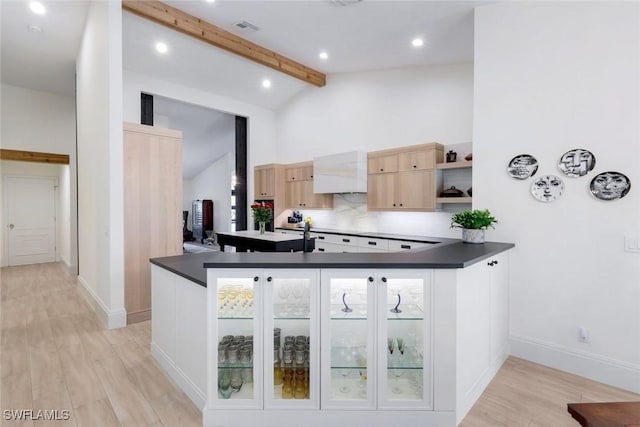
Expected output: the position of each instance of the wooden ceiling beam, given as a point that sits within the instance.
(178, 20)
(32, 156)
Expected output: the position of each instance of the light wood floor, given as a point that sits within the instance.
(54, 354)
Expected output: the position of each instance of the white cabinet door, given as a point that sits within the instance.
(348, 339)
(405, 322)
(291, 339)
(163, 321)
(235, 348)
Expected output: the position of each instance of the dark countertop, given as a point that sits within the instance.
(389, 236)
(449, 254)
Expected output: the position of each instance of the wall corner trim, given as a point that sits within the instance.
(112, 319)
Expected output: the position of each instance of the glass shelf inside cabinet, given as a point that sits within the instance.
(349, 357)
(358, 312)
(409, 358)
(291, 312)
(407, 312)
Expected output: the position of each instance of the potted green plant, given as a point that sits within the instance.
(473, 224)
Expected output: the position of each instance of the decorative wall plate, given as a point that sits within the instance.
(547, 188)
(576, 163)
(610, 185)
(522, 166)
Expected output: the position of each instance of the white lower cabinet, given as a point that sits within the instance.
(178, 326)
(351, 348)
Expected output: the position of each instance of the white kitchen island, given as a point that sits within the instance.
(452, 324)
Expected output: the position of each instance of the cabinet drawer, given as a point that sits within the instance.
(324, 247)
(373, 243)
(341, 239)
(401, 245)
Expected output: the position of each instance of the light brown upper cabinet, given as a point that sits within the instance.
(403, 178)
(266, 179)
(152, 209)
(299, 188)
(303, 172)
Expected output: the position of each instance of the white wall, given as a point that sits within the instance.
(261, 122)
(45, 122)
(214, 183)
(549, 77)
(375, 110)
(100, 204)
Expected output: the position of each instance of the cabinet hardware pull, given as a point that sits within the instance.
(384, 280)
(415, 166)
(269, 279)
(346, 240)
(492, 263)
(495, 262)
(321, 237)
(370, 279)
(311, 176)
(394, 204)
(320, 249)
(255, 279)
(373, 243)
(405, 246)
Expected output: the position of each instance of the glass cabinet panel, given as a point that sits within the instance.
(348, 304)
(291, 339)
(237, 348)
(405, 350)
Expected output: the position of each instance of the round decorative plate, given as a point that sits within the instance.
(522, 166)
(610, 185)
(576, 163)
(547, 188)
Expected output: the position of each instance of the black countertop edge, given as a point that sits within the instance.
(388, 236)
(446, 256)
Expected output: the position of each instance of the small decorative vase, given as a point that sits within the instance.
(262, 226)
(472, 235)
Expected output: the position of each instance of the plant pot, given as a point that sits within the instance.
(472, 235)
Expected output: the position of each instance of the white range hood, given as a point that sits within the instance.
(340, 173)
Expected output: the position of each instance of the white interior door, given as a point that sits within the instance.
(31, 224)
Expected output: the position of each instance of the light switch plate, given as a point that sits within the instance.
(632, 243)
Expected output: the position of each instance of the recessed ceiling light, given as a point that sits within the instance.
(162, 47)
(323, 55)
(266, 83)
(417, 42)
(210, 1)
(37, 8)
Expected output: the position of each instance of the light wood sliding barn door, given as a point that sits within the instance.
(152, 209)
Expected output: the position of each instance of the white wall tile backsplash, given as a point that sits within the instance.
(350, 214)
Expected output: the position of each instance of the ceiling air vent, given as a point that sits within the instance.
(345, 2)
(246, 26)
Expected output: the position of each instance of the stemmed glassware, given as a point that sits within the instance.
(344, 388)
(397, 373)
(391, 344)
(283, 292)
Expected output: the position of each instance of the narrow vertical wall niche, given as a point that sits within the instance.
(241, 173)
(146, 109)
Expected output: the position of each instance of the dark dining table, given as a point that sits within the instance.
(606, 414)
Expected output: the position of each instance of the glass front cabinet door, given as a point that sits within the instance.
(348, 339)
(234, 339)
(376, 339)
(404, 339)
(291, 331)
(263, 339)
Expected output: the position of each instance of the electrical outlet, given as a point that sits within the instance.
(583, 335)
(632, 243)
